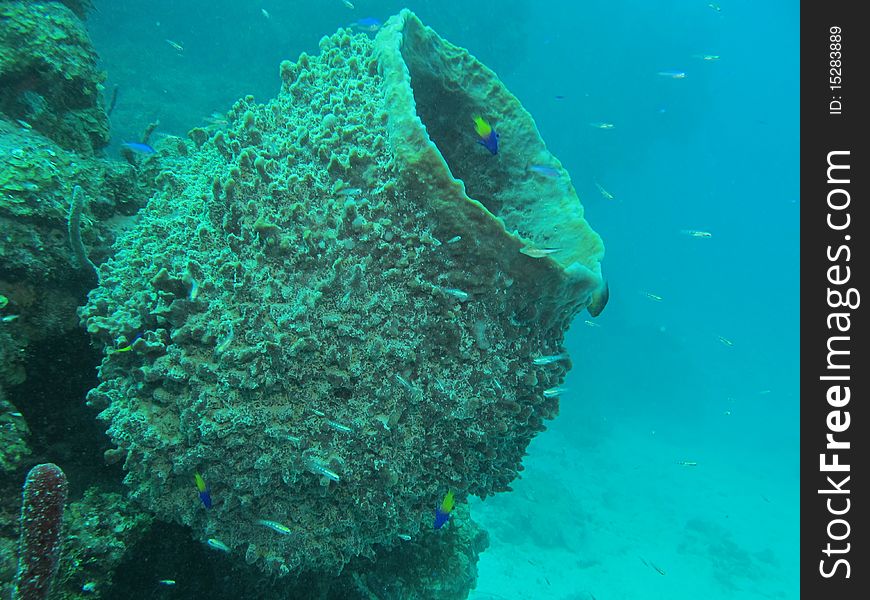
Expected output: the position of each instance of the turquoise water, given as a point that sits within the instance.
(672, 471)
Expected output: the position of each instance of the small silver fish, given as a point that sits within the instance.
(405, 383)
(458, 294)
(166, 582)
(217, 545)
(601, 125)
(265, 13)
(339, 427)
(347, 3)
(533, 252)
(275, 526)
(453, 240)
(545, 171)
(604, 192)
(175, 45)
(672, 74)
(553, 392)
(404, 536)
(550, 359)
(217, 118)
(328, 473)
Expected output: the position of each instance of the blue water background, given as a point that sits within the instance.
(604, 503)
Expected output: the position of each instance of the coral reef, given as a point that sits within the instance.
(51, 125)
(334, 310)
(101, 527)
(79, 7)
(48, 75)
(434, 567)
(41, 282)
(437, 566)
(98, 531)
(13, 432)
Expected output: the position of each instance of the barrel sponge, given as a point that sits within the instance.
(433, 91)
(350, 329)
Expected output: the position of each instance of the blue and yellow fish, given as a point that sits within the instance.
(203, 490)
(442, 513)
(488, 135)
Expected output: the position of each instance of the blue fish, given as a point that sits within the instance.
(545, 171)
(139, 147)
(369, 24)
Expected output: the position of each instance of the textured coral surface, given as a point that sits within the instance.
(40, 283)
(48, 74)
(294, 317)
